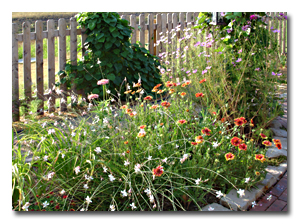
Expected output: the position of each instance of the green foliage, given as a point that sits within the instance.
(110, 55)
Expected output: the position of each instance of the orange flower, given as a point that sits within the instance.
(126, 142)
(199, 95)
(169, 84)
(172, 91)
(203, 80)
(257, 173)
(251, 123)
(124, 107)
(214, 113)
(128, 111)
(278, 145)
(263, 136)
(223, 120)
(158, 171)
(143, 127)
(236, 141)
(276, 141)
(260, 157)
(243, 147)
(165, 104)
(181, 121)
(133, 93)
(139, 90)
(126, 92)
(229, 156)
(148, 98)
(199, 139)
(194, 143)
(137, 85)
(183, 85)
(128, 151)
(154, 106)
(183, 94)
(206, 131)
(187, 110)
(267, 143)
(132, 114)
(188, 82)
(160, 91)
(154, 90)
(157, 86)
(161, 124)
(141, 134)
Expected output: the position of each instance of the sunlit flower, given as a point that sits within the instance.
(165, 104)
(257, 173)
(183, 94)
(142, 126)
(263, 136)
(229, 156)
(235, 141)
(158, 171)
(45, 204)
(247, 180)
(124, 107)
(219, 194)
(103, 82)
(128, 91)
(136, 84)
(26, 206)
(260, 157)
(199, 139)
(251, 123)
(126, 163)
(267, 143)
(278, 145)
(126, 142)
(171, 91)
(241, 192)
(124, 193)
(132, 205)
(154, 106)
(206, 131)
(148, 98)
(199, 95)
(194, 143)
(243, 147)
(112, 208)
(203, 80)
(181, 121)
(97, 150)
(88, 200)
(111, 177)
(77, 169)
(93, 96)
(240, 121)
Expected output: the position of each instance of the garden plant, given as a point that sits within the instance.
(154, 141)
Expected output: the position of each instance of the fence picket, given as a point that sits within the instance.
(158, 35)
(39, 65)
(51, 64)
(280, 37)
(83, 38)
(133, 24)
(142, 29)
(151, 33)
(73, 55)
(174, 43)
(284, 34)
(27, 62)
(15, 75)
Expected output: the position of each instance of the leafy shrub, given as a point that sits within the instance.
(110, 55)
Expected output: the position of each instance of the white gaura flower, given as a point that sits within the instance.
(149, 157)
(50, 175)
(111, 177)
(97, 150)
(151, 197)
(124, 193)
(132, 205)
(62, 191)
(88, 200)
(137, 168)
(77, 169)
(219, 194)
(45, 204)
(210, 208)
(177, 146)
(45, 158)
(26, 206)
(147, 191)
(159, 147)
(112, 208)
(104, 169)
(269, 198)
(73, 134)
(126, 163)
(164, 160)
(247, 179)
(108, 91)
(62, 155)
(85, 186)
(241, 192)
(198, 181)
(253, 204)
(215, 144)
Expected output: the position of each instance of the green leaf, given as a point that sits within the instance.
(102, 39)
(112, 28)
(118, 67)
(111, 77)
(96, 91)
(108, 45)
(88, 77)
(237, 14)
(92, 25)
(116, 51)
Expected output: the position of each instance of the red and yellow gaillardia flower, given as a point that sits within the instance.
(158, 171)
(263, 136)
(206, 131)
(126, 142)
(128, 111)
(153, 106)
(154, 90)
(148, 98)
(137, 85)
(235, 141)
(141, 134)
(181, 121)
(124, 107)
(128, 91)
(194, 143)
(169, 84)
(202, 81)
(257, 173)
(165, 104)
(132, 92)
(139, 90)
(183, 85)
(157, 86)
(223, 120)
(229, 156)
(188, 82)
(199, 139)
(199, 95)
(142, 126)
(183, 94)
(243, 146)
(251, 123)
(277, 143)
(172, 91)
(260, 157)
(132, 114)
(160, 91)
(240, 121)
(267, 143)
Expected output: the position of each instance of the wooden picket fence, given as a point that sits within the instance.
(146, 34)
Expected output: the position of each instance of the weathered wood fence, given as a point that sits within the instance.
(146, 34)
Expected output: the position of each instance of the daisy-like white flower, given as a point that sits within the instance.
(77, 169)
(253, 204)
(62, 155)
(198, 181)
(241, 192)
(97, 150)
(149, 157)
(215, 144)
(219, 194)
(137, 168)
(151, 197)
(132, 205)
(88, 200)
(124, 193)
(164, 160)
(111, 177)
(62, 191)
(45, 158)
(126, 163)
(26, 206)
(112, 208)
(247, 180)
(147, 191)
(73, 134)
(85, 186)
(45, 204)
(210, 208)
(50, 175)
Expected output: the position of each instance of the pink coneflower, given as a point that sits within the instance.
(103, 82)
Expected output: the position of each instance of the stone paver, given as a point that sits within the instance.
(284, 196)
(279, 132)
(274, 152)
(279, 188)
(216, 208)
(277, 206)
(263, 204)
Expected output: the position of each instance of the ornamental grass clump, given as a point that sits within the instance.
(161, 158)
